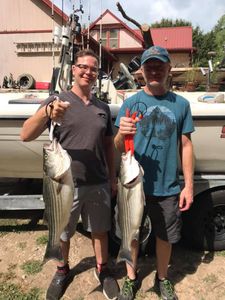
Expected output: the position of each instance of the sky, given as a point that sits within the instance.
(202, 13)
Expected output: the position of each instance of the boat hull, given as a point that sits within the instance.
(24, 159)
(209, 145)
(19, 159)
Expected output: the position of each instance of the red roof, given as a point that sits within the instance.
(172, 38)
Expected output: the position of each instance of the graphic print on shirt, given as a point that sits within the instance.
(159, 122)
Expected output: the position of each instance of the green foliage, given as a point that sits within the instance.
(219, 31)
(11, 291)
(214, 77)
(211, 41)
(191, 75)
(8, 222)
(7, 276)
(22, 245)
(170, 23)
(42, 240)
(200, 88)
(200, 54)
(203, 43)
(32, 267)
(7, 225)
(220, 253)
(210, 278)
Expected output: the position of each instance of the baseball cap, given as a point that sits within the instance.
(155, 52)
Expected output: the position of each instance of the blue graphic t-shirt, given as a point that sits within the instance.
(165, 119)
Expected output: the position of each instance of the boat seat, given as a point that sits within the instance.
(212, 98)
(26, 101)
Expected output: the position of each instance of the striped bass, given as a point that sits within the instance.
(58, 194)
(130, 204)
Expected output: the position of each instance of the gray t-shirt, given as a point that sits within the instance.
(81, 133)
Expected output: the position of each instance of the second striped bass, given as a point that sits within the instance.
(130, 204)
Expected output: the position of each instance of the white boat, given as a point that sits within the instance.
(209, 135)
(24, 159)
(19, 159)
(203, 225)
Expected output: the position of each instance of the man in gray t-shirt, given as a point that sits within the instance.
(82, 133)
(86, 133)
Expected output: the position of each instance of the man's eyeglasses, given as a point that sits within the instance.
(85, 68)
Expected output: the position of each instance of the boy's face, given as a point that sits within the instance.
(85, 71)
(155, 72)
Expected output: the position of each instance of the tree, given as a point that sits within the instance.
(202, 43)
(219, 43)
(170, 23)
(212, 41)
(200, 48)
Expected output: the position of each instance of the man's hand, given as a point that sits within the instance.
(128, 125)
(57, 109)
(186, 199)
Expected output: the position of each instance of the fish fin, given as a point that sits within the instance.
(125, 255)
(53, 253)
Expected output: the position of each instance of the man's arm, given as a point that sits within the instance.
(110, 160)
(34, 126)
(119, 142)
(187, 162)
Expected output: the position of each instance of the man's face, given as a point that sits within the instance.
(155, 72)
(85, 71)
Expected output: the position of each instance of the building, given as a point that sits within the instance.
(126, 43)
(26, 39)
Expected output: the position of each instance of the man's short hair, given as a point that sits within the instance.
(85, 52)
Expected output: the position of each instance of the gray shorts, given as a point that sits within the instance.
(165, 217)
(93, 204)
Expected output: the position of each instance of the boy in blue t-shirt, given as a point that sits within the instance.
(160, 136)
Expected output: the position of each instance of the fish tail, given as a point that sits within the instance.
(125, 255)
(53, 253)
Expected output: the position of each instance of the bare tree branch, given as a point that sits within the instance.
(126, 17)
(145, 29)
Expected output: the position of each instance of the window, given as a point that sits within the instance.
(104, 38)
(113, 39)
(110, 38)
